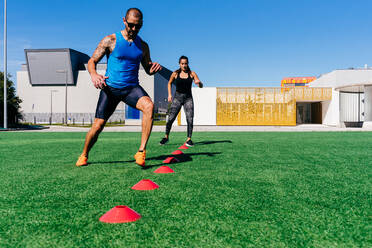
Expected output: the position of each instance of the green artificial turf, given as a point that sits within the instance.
(231, 190)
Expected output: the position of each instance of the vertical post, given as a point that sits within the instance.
(66, 99)
(51, 105)
(358, 106)
(51, 109)
(65, 71)
(5, 71)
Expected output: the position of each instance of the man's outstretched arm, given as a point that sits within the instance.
(150, 67)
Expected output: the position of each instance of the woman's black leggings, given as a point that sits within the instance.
(186, 100)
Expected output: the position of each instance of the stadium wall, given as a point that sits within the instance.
(205, 107)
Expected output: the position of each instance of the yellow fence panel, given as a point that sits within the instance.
(264, 106)
(313, 94)
(256, 106)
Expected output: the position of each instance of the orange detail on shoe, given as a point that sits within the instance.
(140, 158)
(82, 161)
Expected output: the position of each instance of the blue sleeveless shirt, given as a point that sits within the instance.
(123, 63)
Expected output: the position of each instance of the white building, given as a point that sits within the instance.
(351, 97)
(44, 96)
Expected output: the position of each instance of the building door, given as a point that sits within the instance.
(309, 113)
(316, 113)
(303, 113)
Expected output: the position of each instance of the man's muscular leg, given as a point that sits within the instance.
(145, 105)
(90, 140)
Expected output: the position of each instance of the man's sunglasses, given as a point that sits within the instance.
(131, 25)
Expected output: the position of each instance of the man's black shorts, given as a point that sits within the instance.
(110, 97)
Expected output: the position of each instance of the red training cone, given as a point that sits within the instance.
(145, 184)
(184, 147)
(177, 152)
(170, 160)
(164, 169)
(120, 214)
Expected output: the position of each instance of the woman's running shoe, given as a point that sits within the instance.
(163, 141)
(189, 143)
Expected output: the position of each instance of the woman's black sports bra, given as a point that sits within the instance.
(183, 85)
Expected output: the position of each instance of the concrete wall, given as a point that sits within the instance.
(331, 110)
(147, 83)
(205, 106)
(368, 103)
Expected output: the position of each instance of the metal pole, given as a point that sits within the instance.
(51, 110)
(51, 104)
(358, 106)
(65, 71)
(5, 72)
(66, 100)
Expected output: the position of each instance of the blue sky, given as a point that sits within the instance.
(229, 43)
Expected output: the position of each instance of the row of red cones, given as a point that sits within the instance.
(122, 214)
(170, 160)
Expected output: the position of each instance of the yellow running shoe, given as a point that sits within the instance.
(140, 158)
(82, 161)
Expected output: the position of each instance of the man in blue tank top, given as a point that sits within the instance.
(125, 51)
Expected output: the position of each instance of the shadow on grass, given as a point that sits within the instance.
(212, 142)
(23, 127)
(182, 159)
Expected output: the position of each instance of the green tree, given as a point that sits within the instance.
(13, 101)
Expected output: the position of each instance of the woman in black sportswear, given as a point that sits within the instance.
(183, 78)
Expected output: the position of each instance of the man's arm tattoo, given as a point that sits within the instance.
(106, 46)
